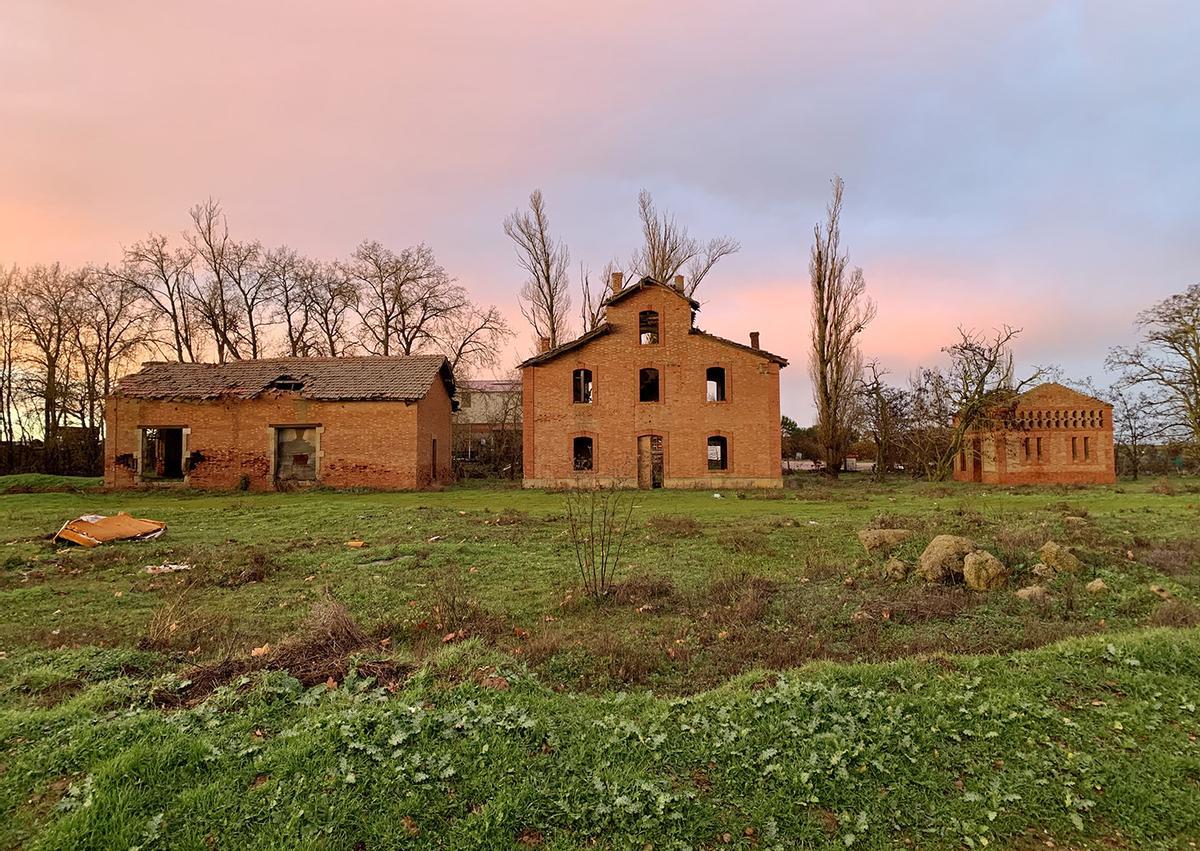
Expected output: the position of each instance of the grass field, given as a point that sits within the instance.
(447, 685)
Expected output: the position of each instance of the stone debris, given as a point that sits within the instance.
(1096, 586)
(942, 560)
(883, 541)
(982, 571)
(1058, 557)
(1033, 594)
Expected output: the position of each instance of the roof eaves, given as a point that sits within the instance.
(582, 340)
(763, 353)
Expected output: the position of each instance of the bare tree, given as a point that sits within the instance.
(975, 394)
(289, 279)
(47, 299)
(1167, 361)
(253, 292)
(598, 520)
(334, 298)
(546, 293)
(109, 329)
(591, 308)
(667, 248)
(1135, 421)
(472, 338)
(212, 294)
(11, 338)
(883, 414)
(840, 311)
(163, 275)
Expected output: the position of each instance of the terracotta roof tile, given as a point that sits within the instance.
(405, 379)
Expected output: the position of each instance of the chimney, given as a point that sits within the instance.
(754, 339)
(543, 344)
(679, 282)
(618, 279)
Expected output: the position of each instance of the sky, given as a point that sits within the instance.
(1035, 164)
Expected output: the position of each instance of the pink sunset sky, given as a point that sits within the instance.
(1029, 163)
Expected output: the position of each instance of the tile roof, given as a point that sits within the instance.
(762, 353)
(404, 379)
(599, 331)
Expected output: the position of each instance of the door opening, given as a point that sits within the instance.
(162, 454)
(650, 461)
(296, 454)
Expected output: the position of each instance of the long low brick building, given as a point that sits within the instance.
(379, 422)
(647, 399)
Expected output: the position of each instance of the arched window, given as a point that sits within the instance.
(715, 376)
(582, 387)
(718, 453)
(648, 327)
(581, 454)
(648, 388)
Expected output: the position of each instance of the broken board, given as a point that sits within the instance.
(92, 530)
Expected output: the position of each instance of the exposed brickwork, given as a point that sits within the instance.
(387, 445)
(615, 419)
(1062, 437)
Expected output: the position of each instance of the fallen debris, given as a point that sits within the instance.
(356, 545)
(92, 530)
(154, 569)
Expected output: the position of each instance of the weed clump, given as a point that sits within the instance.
(675, 525)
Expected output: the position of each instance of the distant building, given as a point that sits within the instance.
(648, 399)
(1048, 435)
(379, 422)
(487, 424)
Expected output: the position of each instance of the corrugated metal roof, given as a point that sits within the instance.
(405, 379)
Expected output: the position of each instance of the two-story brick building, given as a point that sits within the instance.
(379, 422)
(648, 399)
(1050, 434)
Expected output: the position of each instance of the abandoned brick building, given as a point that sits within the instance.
(1050, 434)
(380, 422)
(647, 398)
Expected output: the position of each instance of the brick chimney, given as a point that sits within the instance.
(679, 282)
(618, 281)
(754, 339)
(543, 344)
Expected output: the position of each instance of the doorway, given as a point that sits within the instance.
(650, 461)
(296, 453)
(162, 454)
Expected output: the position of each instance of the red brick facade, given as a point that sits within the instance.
(1058, 436)
(653, 443)
(377, 444)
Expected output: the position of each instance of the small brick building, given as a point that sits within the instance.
(379, 422)
(648, 399)
(1050, 434)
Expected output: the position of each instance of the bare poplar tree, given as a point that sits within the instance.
(212, 295)
(840, 311)
(667, 248)
(1167, 361)
(546, 293)
(10, 340)
(591, 306)
(162, 275)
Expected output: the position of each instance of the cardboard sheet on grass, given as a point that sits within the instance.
(92, 530)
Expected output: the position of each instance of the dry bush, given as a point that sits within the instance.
(625, 662)
(453, 610)
(738, 598)
(823, 564)
(921, 603)
(1015, 543)
(745, 542)
(1163, 487)
(598, 520)
(1174, 558)
(1174, 613)
(177, 624)
(644, 588)
(258, 566)
(675, 525)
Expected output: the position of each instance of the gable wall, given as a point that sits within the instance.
(749, 419)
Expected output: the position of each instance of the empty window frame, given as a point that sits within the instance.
(718, 453)
(1025, 447)
(715, 384)
(581, 393)
(296, 453)
(1038, 446)
(582, 454)
(648, 385)
(1087, 448)
(648, 327)
(1074, 448)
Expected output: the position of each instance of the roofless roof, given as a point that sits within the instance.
(647, 283)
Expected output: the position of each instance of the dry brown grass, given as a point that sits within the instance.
(1175, 613)
(674, 525)
(644, 589)
(737, 599)
(745, 541)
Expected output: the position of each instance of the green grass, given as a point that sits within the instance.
(44, 483)
(655, 717)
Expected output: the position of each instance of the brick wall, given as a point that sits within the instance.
(385, 445)
(1074, 432)
(749, 418)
